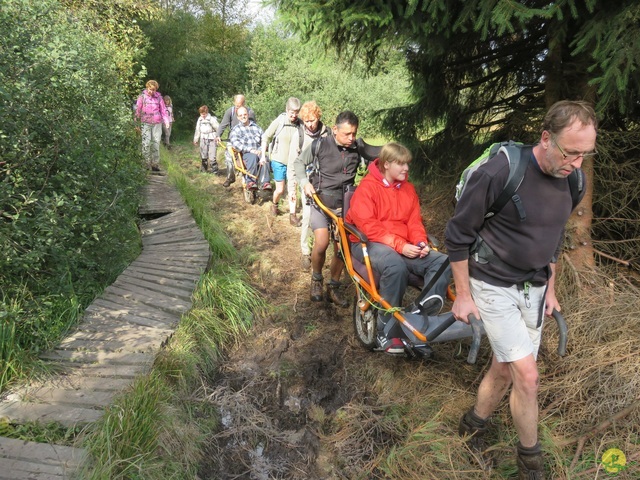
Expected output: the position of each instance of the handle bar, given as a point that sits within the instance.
(476, 327)
(562, 329)
(477, 332)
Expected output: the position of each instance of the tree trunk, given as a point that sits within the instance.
(567, 79)
(579, 226)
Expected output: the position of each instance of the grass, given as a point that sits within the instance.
(156, 429)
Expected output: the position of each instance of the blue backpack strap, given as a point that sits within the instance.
(518, 157)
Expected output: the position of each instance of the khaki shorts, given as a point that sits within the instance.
(509, 319)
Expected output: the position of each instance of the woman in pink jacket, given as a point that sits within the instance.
(152, 113)
(386, 209)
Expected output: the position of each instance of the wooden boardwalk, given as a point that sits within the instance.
(118, 338)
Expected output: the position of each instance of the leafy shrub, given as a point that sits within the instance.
(69, 168)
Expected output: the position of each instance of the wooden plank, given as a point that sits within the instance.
(184, 235)
(168, 263)
(111, 358)
(19, 412)
(43, 453)
(82, 397)
(143, 271)
(101, 383)
(143, 315)
(108, 331)
(176, 306)
(130, 344)
(171, 289)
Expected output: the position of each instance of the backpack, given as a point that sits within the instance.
(283, 120)
(518, 156)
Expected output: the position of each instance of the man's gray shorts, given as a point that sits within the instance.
(510, 320)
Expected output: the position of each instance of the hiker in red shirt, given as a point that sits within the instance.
(386, 209)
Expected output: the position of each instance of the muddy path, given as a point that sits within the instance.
(283, 392)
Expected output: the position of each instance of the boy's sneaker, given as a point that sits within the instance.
(392, 346)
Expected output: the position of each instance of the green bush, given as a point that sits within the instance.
(69, 169)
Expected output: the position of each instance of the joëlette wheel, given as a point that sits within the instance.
(365, 323)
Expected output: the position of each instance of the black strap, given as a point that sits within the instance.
(514, 181)
(576, 186)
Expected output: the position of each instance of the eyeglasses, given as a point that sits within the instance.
(571, 157)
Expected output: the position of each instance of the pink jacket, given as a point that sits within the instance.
(151, 108)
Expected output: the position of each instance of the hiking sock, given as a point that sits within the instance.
(316, 276)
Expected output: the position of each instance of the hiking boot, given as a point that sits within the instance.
(227, 182)
(530, 462)
(273, 209)
(392, 346)
(316, 290)
(305, 261)
(204, 167)
(335, 296)
(473, 426)
(294, 220)
(432, 305)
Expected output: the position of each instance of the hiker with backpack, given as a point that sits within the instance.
(282, 140)
(335, 160)
(386, 209)
(152, 113)
(311, 116)
(503, 263)
(229, 120)
(205, 136)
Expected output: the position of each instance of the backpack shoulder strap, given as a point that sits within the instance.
(300, 134)
(518, 157)
(576, 186)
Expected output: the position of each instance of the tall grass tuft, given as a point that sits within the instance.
(141, 435)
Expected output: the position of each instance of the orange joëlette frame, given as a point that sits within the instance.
(238, 163)
(369, 286)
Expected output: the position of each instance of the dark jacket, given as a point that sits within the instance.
(525, 248)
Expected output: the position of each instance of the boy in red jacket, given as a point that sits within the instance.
(386, 209)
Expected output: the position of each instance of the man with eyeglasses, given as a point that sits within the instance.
(246, 138)
(508, 281)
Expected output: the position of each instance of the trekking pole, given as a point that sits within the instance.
(562, 332)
